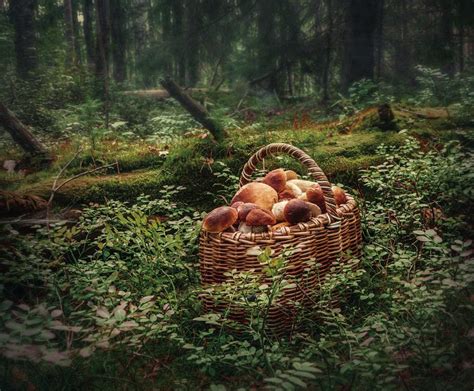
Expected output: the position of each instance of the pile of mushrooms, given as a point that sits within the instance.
(278, 200)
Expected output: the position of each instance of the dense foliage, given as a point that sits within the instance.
(121, 288)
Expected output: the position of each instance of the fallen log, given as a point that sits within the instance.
(21, 134)
(197, 111)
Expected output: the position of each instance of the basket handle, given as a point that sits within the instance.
(313, 169)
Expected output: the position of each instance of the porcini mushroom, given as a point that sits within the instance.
(276, 179)
(302, 184)
(259, 217)
(220, 219)
(339, 195)
(257, 193)
(297, 211)
(277, 210)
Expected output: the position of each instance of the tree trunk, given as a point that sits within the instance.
(267, 59)
(71, 59)
(447, 46)
(102, 59)
(20, 133)
(76, 27)
(379, 40)
(88, 12)
(117, 15)
(178, 39)
(166, 16)
(198, 112)
(402, 58)
(22, 15)
(193, 20)
(359, 41)
(103, 38)
(328, 54)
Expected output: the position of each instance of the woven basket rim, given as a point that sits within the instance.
(320, 221)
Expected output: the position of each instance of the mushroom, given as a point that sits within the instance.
(315, 195)
(236, 205)
(247, 229)
(279, 226)
(315, 210)
(257, 193)
(277, 210)
(260, 217)
(339, 195)
(302, 184)
(220, 219)
(276, 179)
(294, 189)
(286, 194)
(290, 174)
(244, 209)
(297, 211)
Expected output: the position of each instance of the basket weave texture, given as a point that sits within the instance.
(325, 240)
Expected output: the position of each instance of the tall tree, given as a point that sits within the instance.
(117, 21)
(359, 41)
(328, 35)
(22, 15)
(88, 27)
(178, 42)
(193, 19)
(71, 54)
(103, 38)
(267, 56)
(402, 58)
(447, 43)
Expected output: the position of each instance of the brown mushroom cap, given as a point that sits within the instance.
(259, 217)
(276, 179)
(315, 195)
(315, 210)
(297, 211)
(220, 219)
(236, 205)
(290, 174)
(257, 193)
(244, 209)
(286, 194)
(339, 195)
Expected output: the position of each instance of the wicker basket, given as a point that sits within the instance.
(331, 237)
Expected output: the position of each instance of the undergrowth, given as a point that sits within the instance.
(113, 301)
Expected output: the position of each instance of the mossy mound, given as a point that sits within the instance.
(197, 164)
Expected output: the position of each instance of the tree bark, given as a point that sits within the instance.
(88, 12)
(402, 58)
(20, 133)
(71, 59)
(379, 40)
(447, 47)
(327, 62)
(359, 41)
(198, 112)
(22, 15)
(76, 28)
(103, 38)
(192, 42)
(178, 47)
(117, 15)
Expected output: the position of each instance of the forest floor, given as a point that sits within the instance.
(112, 301)
(341, 147)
